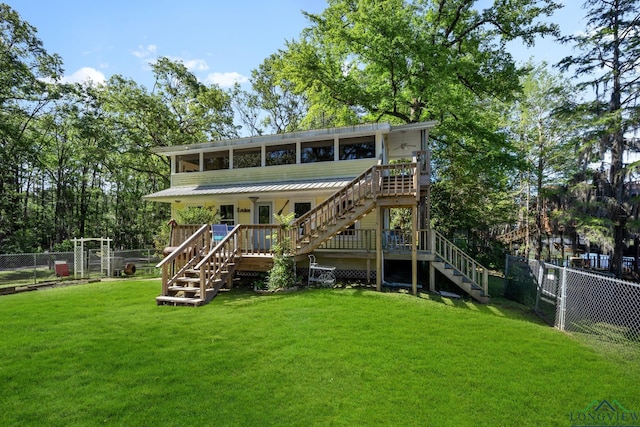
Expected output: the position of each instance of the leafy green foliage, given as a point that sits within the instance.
(546, 138)
(76, 160)
(607, 61)
(281, 275)
(197, 215)
(26, 67)
(419, 61)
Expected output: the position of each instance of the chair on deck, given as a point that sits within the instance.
(218, 232)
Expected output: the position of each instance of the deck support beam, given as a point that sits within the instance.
(414, 249)
(379, 266)
(432, 277)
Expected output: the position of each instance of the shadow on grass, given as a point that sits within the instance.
(498, 306)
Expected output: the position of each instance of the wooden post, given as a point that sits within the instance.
(432, 277)
(485, 281)
(165, 280)
(379, 269)
(203, 283)
(414, 250)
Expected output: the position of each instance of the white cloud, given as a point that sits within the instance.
(226, 79)
(196, 65)
(145, 51)
(85, 75)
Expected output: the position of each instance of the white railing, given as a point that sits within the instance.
(463, 263)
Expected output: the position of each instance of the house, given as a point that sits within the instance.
(340, 182)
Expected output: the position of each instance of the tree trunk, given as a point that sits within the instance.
(616, 172)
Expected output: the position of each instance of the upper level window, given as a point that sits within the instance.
(363, 147)
(188, 163)
(317, 151)
(281, 155)
(216, 160)
(247, 158)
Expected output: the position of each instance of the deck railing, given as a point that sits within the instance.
(180, 233)
(459, 260)
(517, 234)
(361, 239)
(258, 239)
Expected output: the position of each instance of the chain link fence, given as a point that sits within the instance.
(34, 268)
(578, 301)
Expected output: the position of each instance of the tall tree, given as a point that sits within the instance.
(276, 96)
(410, 61)
(26, 66)
(607, 63)
(546, 139)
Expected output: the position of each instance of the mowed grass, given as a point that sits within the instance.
(104, 353)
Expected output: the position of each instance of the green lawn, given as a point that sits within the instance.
(104, 353)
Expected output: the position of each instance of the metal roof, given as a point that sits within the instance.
(257, 188)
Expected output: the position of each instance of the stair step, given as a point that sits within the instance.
(178, 300)
(188, 279)
(229, 264)
(184, 288)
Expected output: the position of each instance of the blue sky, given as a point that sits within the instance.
(219, 41)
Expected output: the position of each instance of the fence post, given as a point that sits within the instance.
(35, 270)
(563, 300)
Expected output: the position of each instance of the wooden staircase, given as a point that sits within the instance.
(517, 235)
(397, 184)
(460, 268)
(194, 272)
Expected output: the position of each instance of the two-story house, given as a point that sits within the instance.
(341, 184)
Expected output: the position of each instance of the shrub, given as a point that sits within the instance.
(281, 274)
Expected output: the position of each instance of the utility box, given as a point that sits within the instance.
(62, 269)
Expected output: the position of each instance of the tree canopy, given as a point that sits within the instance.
(607, 63)
(422, 60)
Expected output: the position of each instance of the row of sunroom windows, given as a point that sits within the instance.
(284, 154)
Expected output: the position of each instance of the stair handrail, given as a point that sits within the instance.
(361, 187)
(184, 245)
(458, 259)
(179, 251)
(212, 264)
(366, 185)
